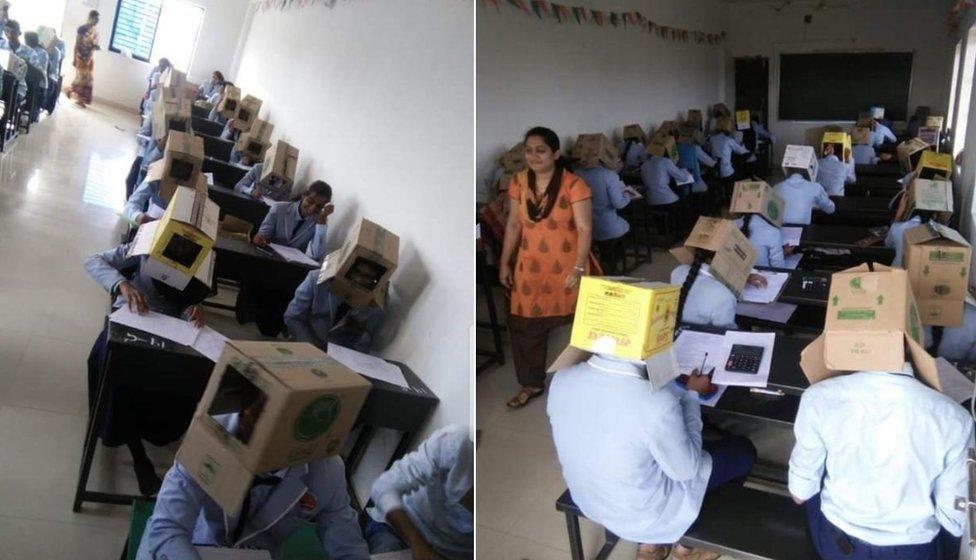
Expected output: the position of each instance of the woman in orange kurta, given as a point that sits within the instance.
(549, 225)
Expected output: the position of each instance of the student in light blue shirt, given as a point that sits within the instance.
(801, 196)
(211, 87)
(881, 134)
(38, 58)
(832, 173)
(766, 238)
(691, 157)
(706, 301)
(609, 195)
(12, 32)
(722, 146)
(301, 224)
(214, 115)
(55, 56)
(252, 185)
(634, 153)
(144, 204)
(317, 316)
(879, 462)
(278, 504)
(864, 154)
(657, 173)
(425, 501)
(896, 234)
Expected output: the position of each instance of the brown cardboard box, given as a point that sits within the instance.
(694, 119)
(592, 149)
(723, 124)
(800, 159)
(48, 37)
(757, 197)
(268, 405)
(865, 121)
(934, 165)
(667, 128)
(908, 148)
(247, 113)
(167, 117)
(663, 146)
(173, 80)
(230, 102)
(369, 251)
(255, 142)
(280, 163)
(513, 160)
(861, 135)
(871, 316)
(929, 194)
(190, 91)
(635, 132)
(937, 259)
(734, 256)
(183, 158)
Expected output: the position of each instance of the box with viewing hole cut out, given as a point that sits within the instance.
(247, 113)
(361, 269)
(230, 102)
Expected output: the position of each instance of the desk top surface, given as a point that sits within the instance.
(242, 247)
(836, 235)
(881, 168)
(861, 203)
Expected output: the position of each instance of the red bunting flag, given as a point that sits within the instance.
(520, 4)
(597, 17)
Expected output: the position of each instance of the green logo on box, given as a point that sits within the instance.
(855, 283)
(316, 418)
(856, 314)
(946, 256)
(773, 210)
(942, 290)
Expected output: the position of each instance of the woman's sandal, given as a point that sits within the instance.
(524, 396)
(653, 552)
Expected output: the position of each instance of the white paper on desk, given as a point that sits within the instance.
(221, 553)
(691, 347)
(955, 385)
(791, 235)
(774, 285)
(793, 261)
(775, 312)
(689, 179)
(292, 254)
(210, 179)
(761, 379)
(210, 343)
(398, 555)
(370, 366)
(179, 331)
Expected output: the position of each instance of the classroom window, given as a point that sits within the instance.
(150, 29)
(965, 94)
(37, 13)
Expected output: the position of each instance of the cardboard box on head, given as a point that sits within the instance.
(12, 63)
(361, 269)
(171, 117)
(909, 151)
(871, 318)
(802, 160)
(933, 165)
(930, 135)
(929, 195)
(723, 124)
(513, 160)
(865, 120)
(229, 102)
(694, 119)
(593, 149)
(183, 158)
(256, 141)
(757, 197)
(667, 128)
(742, 120)
(721, 110)
(280, 164)
(173, 80)
(247, 113)
(47, 37)
(190, 91)
(627, 318)
(841, 142)
(734, 256)
(937, 122)
(634, 132)
(268, 406)
(663, 146)
(937, 259)
(861, 135)
(179, 245)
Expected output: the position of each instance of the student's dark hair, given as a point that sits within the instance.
(551, 139)
(700, 256)
(937, 332)
(220, 76)
(30, 39)
(745, 224)
(14, 25)
(320, 188)
(228, 83)
(93, 14)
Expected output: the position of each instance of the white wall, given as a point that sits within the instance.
(378, 98)
(121, 80)
(581, 79)
(757, 28)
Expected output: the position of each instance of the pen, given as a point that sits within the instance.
(701, 370)
(775, 393)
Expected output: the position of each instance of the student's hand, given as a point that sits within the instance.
(797, 501)
(323, 216)
(757, 280)
(698, 383)
(885, 157)
(789, 249)
(255, 192)
(259, 241)
(505, 275)
(137, 300)
(194, 314)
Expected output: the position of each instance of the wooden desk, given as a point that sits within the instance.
(867, 211)
(200, 112)
(805, 319)
(206, 126)
(878, 186)
(224, 173)
(215, 147)
(845, 238)
(139, 359)
(238, 259)
(238, 205)
(805, 287)
(880, 169)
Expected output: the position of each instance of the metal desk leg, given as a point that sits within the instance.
(91, 438)
(575, 539)
(359, 449)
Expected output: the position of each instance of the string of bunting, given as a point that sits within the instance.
(562, 13)
(264, 5)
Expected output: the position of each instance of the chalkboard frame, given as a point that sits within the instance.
(797, 107)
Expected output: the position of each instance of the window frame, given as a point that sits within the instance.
(115, 26)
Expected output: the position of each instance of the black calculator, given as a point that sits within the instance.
(744, 359)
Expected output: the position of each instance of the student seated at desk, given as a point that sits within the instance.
(722, 145)
(706, 297)
(632, 452)
(39, 60)
(799, 191)
(425, 501)
(212, 86)
(836, 168)
(691, 157)
(152, 83)
(55, 56)
(658, 171)
(863, 152)
(274, 188)
(134, 414)
(277, 505)
(214, 114)
(761, 225)
(12, 32)
(881, 134)
(633, 148)
(896, 233)
(880, 457)
(596, 158)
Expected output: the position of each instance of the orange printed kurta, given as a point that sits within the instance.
(547, 251)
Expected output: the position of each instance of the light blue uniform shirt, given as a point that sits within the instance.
(864, 155)
(310, 317)
(880, 134)
(958, 343)
(20, 71)
(699, 186)
(54, 65)
(896, 236)
(635, 155)
(709, 301)
(105, 269)
(631, 457)
(656, 174)
(275, 190)
(608, 197)
(185, 515)
(767, 239)
(891, 454)
(722, 148)
(801, 197)
(208, 88)
(39, 59)
(144, 199)
(833, 174)
(284, 225)
(428, 484)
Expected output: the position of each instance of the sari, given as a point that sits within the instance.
(84, 63)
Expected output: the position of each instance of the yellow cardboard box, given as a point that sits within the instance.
(742, 120)
(841, 141)
(932, 165)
